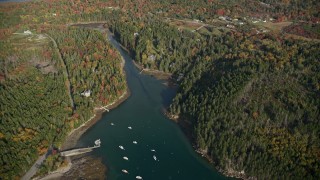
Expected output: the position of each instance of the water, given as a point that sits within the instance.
(151, 129)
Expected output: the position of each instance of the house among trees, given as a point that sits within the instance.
(86, 93)
(223, 18)
(152, 57)
(230, 26)
(27, 32)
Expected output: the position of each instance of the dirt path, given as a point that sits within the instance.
(33, 170)
(84, 166)
(65, 72)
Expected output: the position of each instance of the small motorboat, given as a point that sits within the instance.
(129, 127)
(154, 157)
(135, 142)
(121, 147)
(111, 124)
(125, 171)
(153, 150)
(138, 177)
(125, 158)
(97, 142)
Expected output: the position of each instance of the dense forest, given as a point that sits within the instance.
(36, 112)
(250, 99)
(34, 105)
(93, 66)
(252, 102)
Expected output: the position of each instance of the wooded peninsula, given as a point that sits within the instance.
(248, 76)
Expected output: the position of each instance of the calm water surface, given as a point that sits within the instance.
(151, 129)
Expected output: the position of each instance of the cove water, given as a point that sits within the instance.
(162, 151)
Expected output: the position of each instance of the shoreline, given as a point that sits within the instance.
(75, 134)
(184, 125)
(153, 72)
(160, 75)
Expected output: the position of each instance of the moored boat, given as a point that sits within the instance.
(125, 171)
(97, 142)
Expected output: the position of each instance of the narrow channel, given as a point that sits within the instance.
(142, 111)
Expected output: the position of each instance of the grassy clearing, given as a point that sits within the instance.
(37, 53)
(277, 27)
(29, 41)
(193, 26)
(294, 36)
(185, 25)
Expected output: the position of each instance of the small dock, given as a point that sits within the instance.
(78, 151)
(106, 109)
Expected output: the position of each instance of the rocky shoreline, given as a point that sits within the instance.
(186, 128)
(86, 167)
(75, 134)
(84, 163)
(185, 125)
(152, 72)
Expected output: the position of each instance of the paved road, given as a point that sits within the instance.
(33, 170)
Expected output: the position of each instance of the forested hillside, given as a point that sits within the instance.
(36, 111)
(93, 66)
(248, 86)
(252, 102)
(250, 116)
(34, 105)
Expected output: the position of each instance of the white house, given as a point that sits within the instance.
(222, 18)
(86, 93)
(152, 57)
(230, 26)
(28, 32)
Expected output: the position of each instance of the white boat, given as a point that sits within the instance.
(125, 171)
(125, 158)
(97, 142)
(129, 127)
(135, 142)
(154, 157)
(112, 124)
(121, 147)
(153, 150)
(138, 177)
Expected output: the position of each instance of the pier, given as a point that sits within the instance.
(78, 151)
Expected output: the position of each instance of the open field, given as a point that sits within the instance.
(23, 40)
(277, 27)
